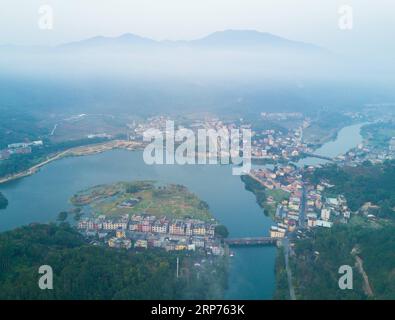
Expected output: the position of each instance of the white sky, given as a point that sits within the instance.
(314, 21)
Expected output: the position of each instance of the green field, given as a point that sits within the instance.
(173, 201)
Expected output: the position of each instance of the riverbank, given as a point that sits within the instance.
(132, 145)
(268, 199)
(75, 152)
(283, 278)
(347, 138)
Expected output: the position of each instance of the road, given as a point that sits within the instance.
(302, 225)
(33, 169)
(302, 211)
(366, 286)
(288, 269)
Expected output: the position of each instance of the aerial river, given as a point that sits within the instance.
(347, 138)
(40, 197)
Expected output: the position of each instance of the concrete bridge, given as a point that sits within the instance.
(318, 156)
(251, 241)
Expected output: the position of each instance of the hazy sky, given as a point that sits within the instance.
(314, 21)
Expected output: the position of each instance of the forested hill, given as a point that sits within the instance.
(317, 261)
(83, 271)
(364, 244)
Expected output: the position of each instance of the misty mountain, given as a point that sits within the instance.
(127, 39)
(239, 72)
(228, 39)
(251, 38)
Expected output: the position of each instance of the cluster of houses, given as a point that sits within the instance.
(286, 178)
(366, 151)
(322, 212)
(266, 144)
(19, 148)
(289, 180)
(288, 213)
(277, 145)
(282, 116)
(159, 123)
(99, 135)
(148, 231)
(317, 211)
(374, 154)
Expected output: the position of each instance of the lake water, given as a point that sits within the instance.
(40, 197)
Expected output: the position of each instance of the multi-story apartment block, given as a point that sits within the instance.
(159, 227)
(177, 228)
(199, 230)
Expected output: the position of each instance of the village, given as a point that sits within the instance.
(371, 153)
(148, 231)
(267, 145)
(19, 148)
(278, 146)
(302, 205)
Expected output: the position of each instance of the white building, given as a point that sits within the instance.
(311, 220)
(325, 214)
(159, 228)
(110, 225)
(325, 224)
(276, 232)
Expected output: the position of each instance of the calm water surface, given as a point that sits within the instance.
(39, 198)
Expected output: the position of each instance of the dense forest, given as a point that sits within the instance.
(3, 201)
(317, 258)
(282, 290)
(83, 271)
(361, 184)
(317, 261)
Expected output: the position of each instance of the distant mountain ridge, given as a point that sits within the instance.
(226, 38)
(246, 37)
(125, 39)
